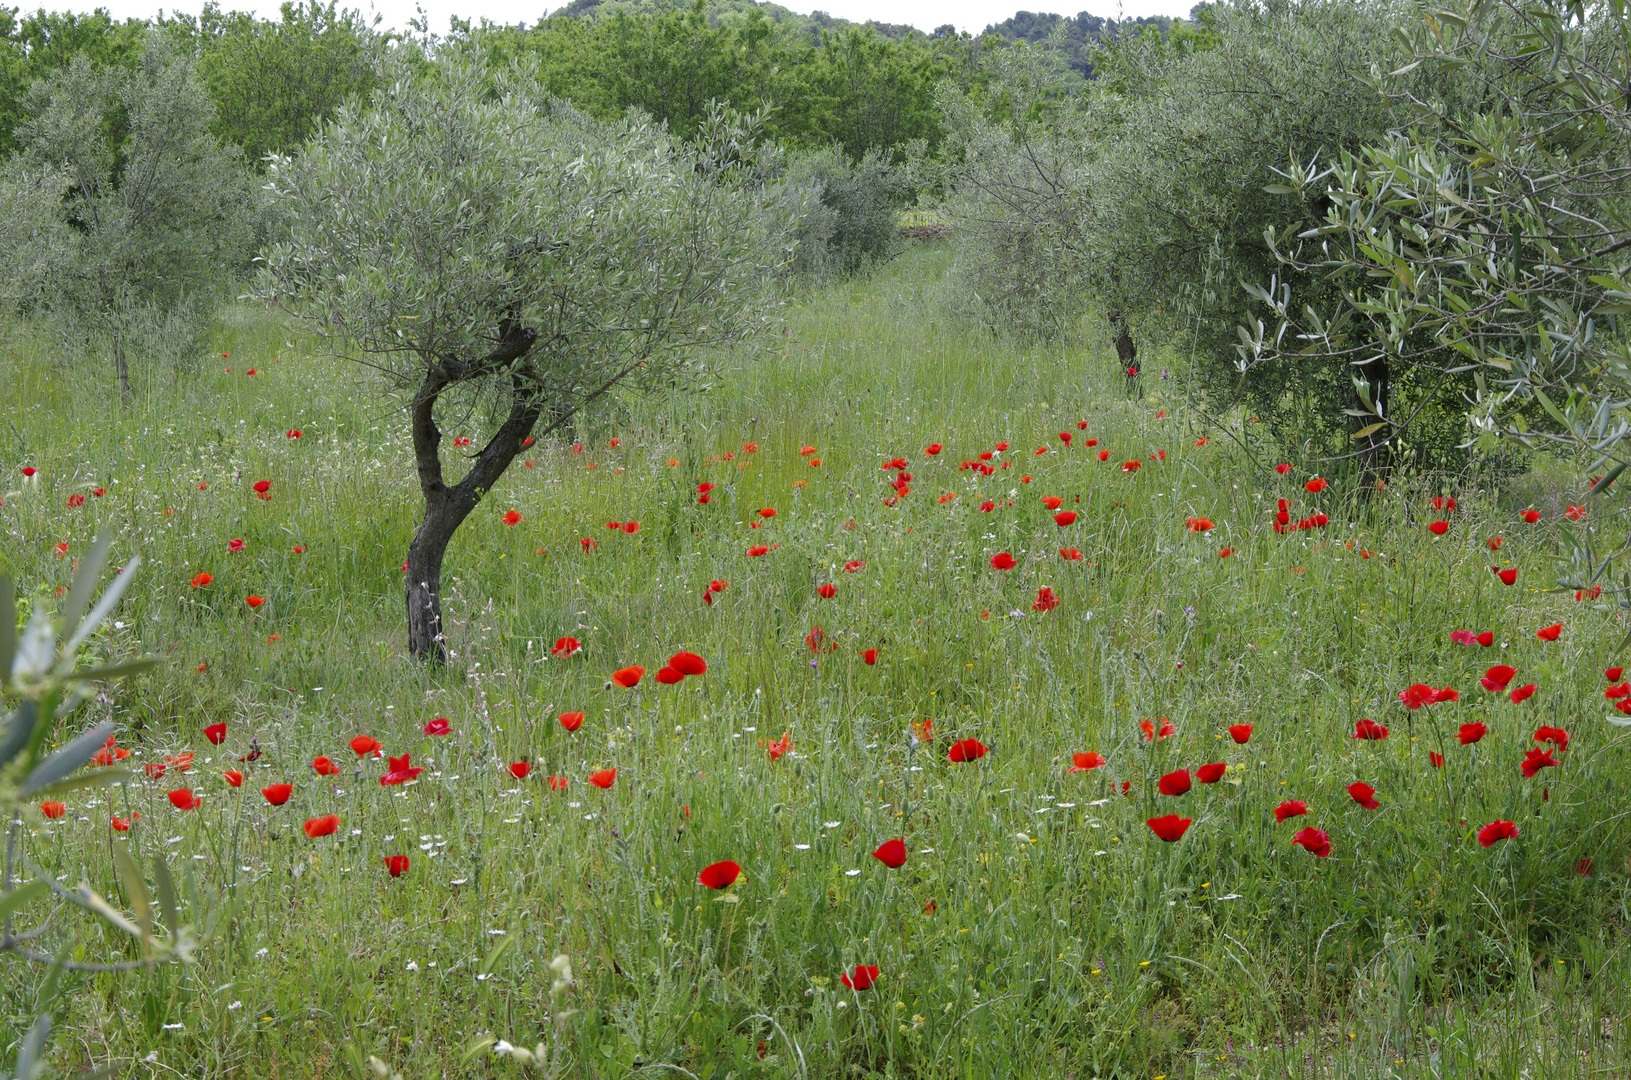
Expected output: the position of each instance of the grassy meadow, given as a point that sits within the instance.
(1038, 927)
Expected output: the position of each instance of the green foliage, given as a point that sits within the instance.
(854, 224)
(272, 83)
(423, 223)
(1481, 246)
(850, 86)
(1078, 35)
(139, 220)
(44, 43)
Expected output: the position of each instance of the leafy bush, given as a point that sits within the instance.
(852, 223)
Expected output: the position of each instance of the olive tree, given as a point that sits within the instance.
(127, 219)
(467, 237)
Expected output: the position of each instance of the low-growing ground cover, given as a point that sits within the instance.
(949, 591)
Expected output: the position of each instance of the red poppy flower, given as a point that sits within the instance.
(400, 771)
(1369, 729)
(1003, 561)
(1290, 809)
(720, 875)
(1588, 594)
(1316, 485)
(325, 767)
(1522, 694)
(1315, 841)
(1065, 437)
(566, 646)
(1364, 795)
(1283, 468)
(99, 492)
(1211, 774)
(1436, 758)
(1443, 502)
(588, 543)
(767, 512)
(870, 657)
(853, 565)
(1175, 783)
(1554, 735)
(558, 783)
(262, 486)
(1104, 455)
(1416, 695)
(1531, 516)
(215, 733)
(827, 590)
(254, 601)
(1045, 600)
(1070, 554)
(1549, 633)
(292, 433)
(1486, 639)
(966, 750)
(669, 676)
(1082, 762)
(1471, 733)
(1613, 674)
(688, 663)
(1496, 830)
(1536, 760)
(892, 853)
(53, 810)
(1169, 827)
(519, 769)
(184, 799)
(439, 726)
(1150, 734)
(604, 778)
(121, 824)
(861, 978)
(233, 777)
(1575, 513)
(757, 550)
(1065, 518)
(1240, 732)
(396, 865)
(1494, 543)
(1583, 867)
(778, 748)
(277, 794)
(628, 677)
(1508, 576)
(1053, 502)
(200, 580)
(29, 470)
(1199, 524)
(1131, 466)
(1439, 528)
(922, 731)
(366, 744)
(1496, 678)
(327, 825)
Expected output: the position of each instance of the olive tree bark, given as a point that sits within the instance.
(446, 506)
(1126, 352)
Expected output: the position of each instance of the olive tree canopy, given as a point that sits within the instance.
(465, 234)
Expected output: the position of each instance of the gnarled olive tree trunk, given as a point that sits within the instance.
(446, 506)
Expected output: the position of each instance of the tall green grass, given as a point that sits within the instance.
(1038, 928)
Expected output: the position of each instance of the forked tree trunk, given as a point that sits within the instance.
(446, 506)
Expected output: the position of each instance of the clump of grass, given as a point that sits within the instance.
(1037, 927)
